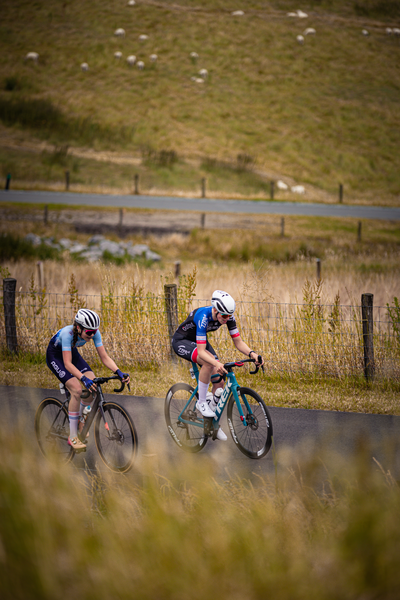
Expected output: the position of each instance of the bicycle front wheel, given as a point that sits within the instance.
(116, 438)
(184, 432)
(52, 430)
(253, 439)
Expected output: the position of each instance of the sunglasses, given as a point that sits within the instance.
(90, 331)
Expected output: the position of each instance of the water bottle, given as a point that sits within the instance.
(85, 413)
(192, 375)
(62, 388)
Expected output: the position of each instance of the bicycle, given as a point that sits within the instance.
(249, 421)
(114, 432)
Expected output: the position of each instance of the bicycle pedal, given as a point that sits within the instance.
(79, 450)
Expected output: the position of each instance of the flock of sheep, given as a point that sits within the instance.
(203, 73)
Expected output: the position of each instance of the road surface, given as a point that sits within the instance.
(203, 205)
(297, 432)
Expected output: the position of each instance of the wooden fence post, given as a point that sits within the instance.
(283, 227)
(46, 215)
(9, 286)
(8, 179)
(177, 269)
(203, 220)
(66, 181)
(203, 187)
(367, 306)
(40, 271)
(359, 232)
(318, 269)
(136, 184)
(171, 308)
(340, 193)
(272, 190)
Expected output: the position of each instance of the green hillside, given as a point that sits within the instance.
(318, 113)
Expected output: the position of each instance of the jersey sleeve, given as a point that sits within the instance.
(233, 328)
(97, 339)
(201, 322)
(65, 339)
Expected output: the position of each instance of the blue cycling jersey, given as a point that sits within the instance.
(199, 323)
(62, 340)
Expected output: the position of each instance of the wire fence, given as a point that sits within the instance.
(311, 339)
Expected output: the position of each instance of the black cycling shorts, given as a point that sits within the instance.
(56, 364)
(188, 350)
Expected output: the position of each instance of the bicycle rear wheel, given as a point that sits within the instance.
(52, 430)
(189, 437)
(255, 438)
(116, 440)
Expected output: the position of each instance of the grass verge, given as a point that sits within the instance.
(347, 395)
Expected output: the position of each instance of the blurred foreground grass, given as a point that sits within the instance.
(325, 528)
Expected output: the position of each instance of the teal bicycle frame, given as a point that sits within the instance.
(231, 387)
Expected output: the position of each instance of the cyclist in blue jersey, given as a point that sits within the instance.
(190, 342)
(64, 360)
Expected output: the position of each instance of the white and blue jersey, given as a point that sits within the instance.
(199, 323)
(62, 340)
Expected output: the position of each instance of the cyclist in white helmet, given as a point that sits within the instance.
(190, 342)
(64, 360)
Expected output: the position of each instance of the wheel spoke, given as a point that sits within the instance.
(116, 440)
(184, 424)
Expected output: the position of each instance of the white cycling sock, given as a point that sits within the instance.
(203, 387)
(73, 424)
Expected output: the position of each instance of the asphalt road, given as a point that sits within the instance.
(208, 205)
(297, 433)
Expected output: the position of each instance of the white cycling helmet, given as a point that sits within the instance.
(223, 302)
(87, 318)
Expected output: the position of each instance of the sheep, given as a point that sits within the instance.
(298, 189)
(365, 32)
(203, 73)
(299, 13)
(389, 30)
(118, 55)
(281, 185)
(34, 56)
(119, 32)
(131, 60)
(84, 67)
(143, 37)
(309, 31)
(396, 31)
(131, 3)
(153, 58)
(197, 79)
(300, 39)
(237, 13)
(140, 65)
(194, 56)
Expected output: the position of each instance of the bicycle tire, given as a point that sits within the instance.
(52, 430)
(255, 438)
(189, 438)
(117, 445)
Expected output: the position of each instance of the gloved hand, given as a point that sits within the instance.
(121, 375)
(87, 382)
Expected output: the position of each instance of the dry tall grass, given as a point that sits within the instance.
(326, 527)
